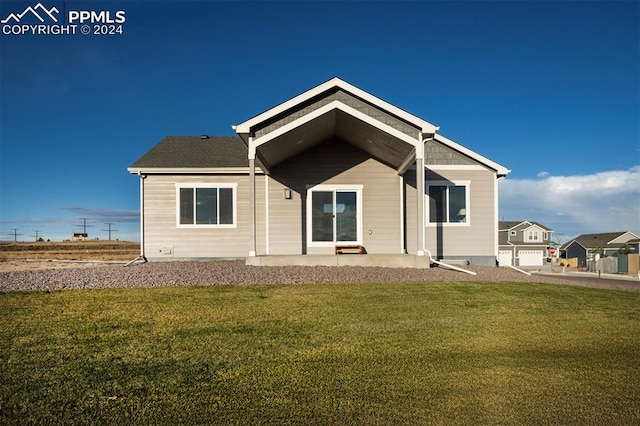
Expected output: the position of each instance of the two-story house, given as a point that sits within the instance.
(524, 243)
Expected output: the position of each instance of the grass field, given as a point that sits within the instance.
(437, 353)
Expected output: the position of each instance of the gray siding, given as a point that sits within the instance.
(437, 153)
(345, 98)
(477, 240)
(334, 162)
(163, 239)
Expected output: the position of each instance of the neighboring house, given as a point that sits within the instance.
(586, 246)
(79, 236)
(524, 243)
(333, 166)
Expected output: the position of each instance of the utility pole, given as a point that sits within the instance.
(15, 234)
(110, 230)
(36, 231)
(84, 225)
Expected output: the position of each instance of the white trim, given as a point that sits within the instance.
(142, 178)
(465, 167)
(401, 180)
(266, 213)
(501, 170)
(233, 186)
(496, 217)
(334, 188)
(467, 194)
(193, 170)
(246, 126)
(254, 143)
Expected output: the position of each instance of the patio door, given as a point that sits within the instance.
(335, 215)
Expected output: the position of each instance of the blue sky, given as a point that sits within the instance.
(551, 90)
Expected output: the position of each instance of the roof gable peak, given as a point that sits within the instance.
(334, 83)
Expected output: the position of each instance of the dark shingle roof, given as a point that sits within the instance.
(506, 224)
(598, 240)
(196, 152)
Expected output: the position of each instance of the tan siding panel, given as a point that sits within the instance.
(161, 232)
(477, 239)
(334, 162)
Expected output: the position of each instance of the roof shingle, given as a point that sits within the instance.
(195, 152)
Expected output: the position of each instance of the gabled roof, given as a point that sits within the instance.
(246, 126)
(199, 152)
(336, 108)
(601, 240)
(500, 170)
(504, 225)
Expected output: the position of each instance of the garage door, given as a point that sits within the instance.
(530, 257)
(504, 257)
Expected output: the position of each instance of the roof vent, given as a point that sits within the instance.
(204, 136)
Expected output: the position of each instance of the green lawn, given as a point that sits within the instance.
(433, 353)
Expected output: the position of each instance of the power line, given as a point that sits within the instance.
(15, 234)
(37, 235)
(84, 224)
(110, 230)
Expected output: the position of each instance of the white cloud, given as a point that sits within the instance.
(543, 174)
(602, 202)
(103, 214)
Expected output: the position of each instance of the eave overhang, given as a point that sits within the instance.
(190, 170)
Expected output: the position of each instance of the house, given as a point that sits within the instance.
(79, 236)
(524, 243)
(330, 169)
(586, 246)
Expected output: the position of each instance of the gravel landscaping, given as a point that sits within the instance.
(236, 272)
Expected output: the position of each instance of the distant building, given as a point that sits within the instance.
(586, 246)
(79, 236)
(524, 243)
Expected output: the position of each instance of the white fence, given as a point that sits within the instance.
(606, 265)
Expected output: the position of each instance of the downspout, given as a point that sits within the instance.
(446, 265)
(420, 177)
(252, 197)
(518, 269)
(421, 210)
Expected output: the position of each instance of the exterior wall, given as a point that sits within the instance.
(575, 250)
(476, 242)
(334, 162)
(164, 240)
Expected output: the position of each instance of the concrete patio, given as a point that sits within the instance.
(381, 260)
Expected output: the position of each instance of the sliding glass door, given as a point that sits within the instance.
(335, 214)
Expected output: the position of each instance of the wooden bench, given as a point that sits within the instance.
(349, 249)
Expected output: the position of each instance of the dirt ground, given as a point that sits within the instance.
(54, 255)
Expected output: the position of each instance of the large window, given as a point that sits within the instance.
(205, 205)
(448, 202)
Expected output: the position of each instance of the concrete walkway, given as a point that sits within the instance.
(568, 272)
